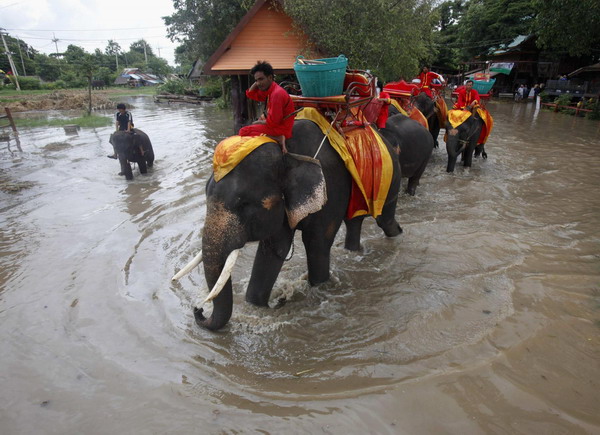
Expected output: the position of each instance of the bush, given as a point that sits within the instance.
(58, 84)
(565, 100)
(176, 86)
(545, 97)
(27, 83)
(595, 107)
(212, 88)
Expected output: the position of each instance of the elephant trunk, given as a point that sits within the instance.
(220, 246)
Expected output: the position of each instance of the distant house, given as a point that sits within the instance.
(520, 62)
(248, 43)
(134, 77)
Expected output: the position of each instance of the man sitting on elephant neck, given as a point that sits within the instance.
(123, 122)
(467, 97)
(279, 121)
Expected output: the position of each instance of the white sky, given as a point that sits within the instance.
(88, 24)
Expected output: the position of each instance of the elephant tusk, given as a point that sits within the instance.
(225, 275)
(188, 268)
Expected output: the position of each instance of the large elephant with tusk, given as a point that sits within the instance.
(266, 198)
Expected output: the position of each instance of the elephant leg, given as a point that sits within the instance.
(387, 219)
(413, 182)
(353, 230)
(142, 165)
(318, 252)
(149, 155)
(125, 167)
(468, 154)
(270, 256)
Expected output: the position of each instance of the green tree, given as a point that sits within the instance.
(202, 25)
(390, 38)
(142, 47)
(47, 67)
(490, 23)
(568, 26)
(21, 53)
(446, 35)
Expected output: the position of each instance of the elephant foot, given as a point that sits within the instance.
(112, 156)
(394, 231)
(484, 155)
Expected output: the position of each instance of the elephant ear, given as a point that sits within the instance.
(304, 191)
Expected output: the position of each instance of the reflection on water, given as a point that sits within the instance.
(482, 317)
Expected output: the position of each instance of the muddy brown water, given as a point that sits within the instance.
(483, 317)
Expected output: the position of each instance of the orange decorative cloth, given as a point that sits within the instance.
(418, 116)
(367, 159)
(457, 117)
(442, 111)
(231, 151)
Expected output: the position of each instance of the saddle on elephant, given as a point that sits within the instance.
(457, 116)
(232, 150)
(366, 158)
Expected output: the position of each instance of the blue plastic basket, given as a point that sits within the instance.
(482, 86)
(322, 80)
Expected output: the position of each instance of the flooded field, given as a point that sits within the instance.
(483, 317)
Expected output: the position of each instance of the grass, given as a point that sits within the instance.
(92, 121)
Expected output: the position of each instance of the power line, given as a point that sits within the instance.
(87, 30)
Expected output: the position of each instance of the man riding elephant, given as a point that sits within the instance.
(468, 98)
(279, 119)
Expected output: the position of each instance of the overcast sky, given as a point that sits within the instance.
(88, 24)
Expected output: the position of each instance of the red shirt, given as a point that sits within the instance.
(279, 105)
(466, 97)
(427, 78)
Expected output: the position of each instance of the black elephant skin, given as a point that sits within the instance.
(415, 146)
(463, 141)
(428, 108)
(265, 198)
(129, 147)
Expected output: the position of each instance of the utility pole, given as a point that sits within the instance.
(117, 59)
(158, 48)
(21, 54)
(145, 55)
(55, 40)
(10, 61)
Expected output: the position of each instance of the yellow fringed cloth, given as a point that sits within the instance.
(457, 117)
(367, 159)
(231, 151)
(398, 107)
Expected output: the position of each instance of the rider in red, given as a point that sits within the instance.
(279, 121)
(467, 97)
(426, 77)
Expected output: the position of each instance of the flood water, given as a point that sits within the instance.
(482, 317)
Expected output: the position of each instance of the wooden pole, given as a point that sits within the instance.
(13, 126)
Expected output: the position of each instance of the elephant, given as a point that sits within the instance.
(266, 198)
(428, 108)
(415, 147)
(463, 140)
(128, 147)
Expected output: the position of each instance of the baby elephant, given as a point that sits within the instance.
(133, 146)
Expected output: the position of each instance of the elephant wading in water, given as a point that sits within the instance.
(132, 147)
(428, 108)
(463, 139)
(415, 147)
(265, 198)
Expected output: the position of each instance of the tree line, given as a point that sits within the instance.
(394, 38)
(74, 67)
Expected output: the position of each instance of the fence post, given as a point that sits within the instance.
(13, 126)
